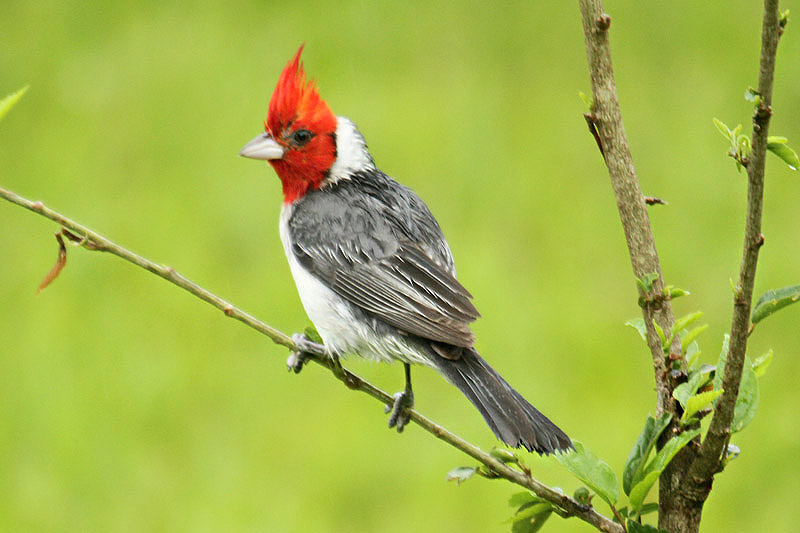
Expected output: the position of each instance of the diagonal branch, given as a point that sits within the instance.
(94, 241)
(708, 462)
(631, 203)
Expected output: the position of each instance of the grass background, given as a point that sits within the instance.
(130, 406)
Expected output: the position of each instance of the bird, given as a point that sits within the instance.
(372, 267)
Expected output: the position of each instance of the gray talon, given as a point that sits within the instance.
(403, 401)
(296, 361)
(305, 351)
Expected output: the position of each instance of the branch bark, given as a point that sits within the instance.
(685, 484)
(709, 458)
(631, 203)
(632, 207)
(96, 242)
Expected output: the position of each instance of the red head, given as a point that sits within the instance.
(300, 133)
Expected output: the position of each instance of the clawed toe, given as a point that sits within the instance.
(403, 402)
(306, 350)
(296, 361)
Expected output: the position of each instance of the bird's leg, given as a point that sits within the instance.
(403, 401)
(306, 350)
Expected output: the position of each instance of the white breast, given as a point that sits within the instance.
(333, 316)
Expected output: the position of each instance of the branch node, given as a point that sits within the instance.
(229, 311)
(761, 115)
(591, 121)
(654, 200)
(604, 22)
(37, 206)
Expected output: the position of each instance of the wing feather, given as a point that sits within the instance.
(390, 261)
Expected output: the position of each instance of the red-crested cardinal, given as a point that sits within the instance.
(372, 268)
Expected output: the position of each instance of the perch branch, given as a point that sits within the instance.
(96, 242)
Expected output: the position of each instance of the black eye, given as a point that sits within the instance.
(301, 137)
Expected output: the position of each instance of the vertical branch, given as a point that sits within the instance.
(607, 119)
(708, 463)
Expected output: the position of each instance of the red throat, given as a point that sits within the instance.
(296, 105)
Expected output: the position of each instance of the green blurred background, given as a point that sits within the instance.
(128, 405)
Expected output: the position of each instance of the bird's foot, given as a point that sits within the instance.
(306, 350)
(403, 401)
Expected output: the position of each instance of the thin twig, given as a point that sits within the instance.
(94, 241)
(607, 121)
(718, 435)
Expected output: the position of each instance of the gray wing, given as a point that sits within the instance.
(367, 255)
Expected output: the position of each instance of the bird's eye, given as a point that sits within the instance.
(301, 137)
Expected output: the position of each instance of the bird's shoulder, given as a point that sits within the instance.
(369, 216)
(375, 244)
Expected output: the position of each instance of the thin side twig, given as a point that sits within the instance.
(714, 445)
(91, 240)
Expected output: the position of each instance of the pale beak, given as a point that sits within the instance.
(262, 147)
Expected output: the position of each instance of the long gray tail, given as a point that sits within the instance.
(515, 421)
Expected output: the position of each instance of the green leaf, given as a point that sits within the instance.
(636, 527)
(640, 490)
(10, 101)
(783, 151)
(784, 19)
(735, 288)
(697, 402)
(697, 380)
(774, 300)
(747, 401)
(723, 129)
(656, 466)
(521, 498)
(777, 139)
(646, 282)
(688, 339)
(685, 321)
(592, 471)
(587, 100)
(312, 334)
(682, 393)
(533, 523)
(503, 455)
(761, 363)
(751, 95)
(648, 508)
(743, 146)
(461, 474)
(641, 450)
(671, 292)
(638, 325)
(530, 510)
(661, 335)
(692, 354)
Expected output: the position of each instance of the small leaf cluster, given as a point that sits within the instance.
(640, 474)
(531, 512)
(646, 286)
(462, 473)
(741, 145)
(638, 477)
